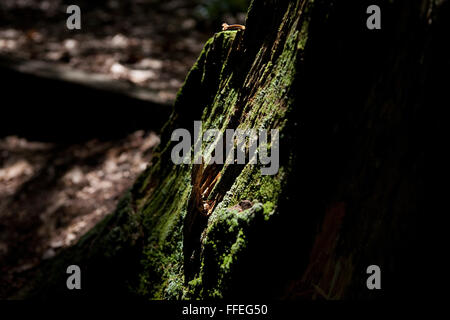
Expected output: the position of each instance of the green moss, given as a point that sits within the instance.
(269, 208)
(304, 31)
(225, 88)
(225, 240)
(164, 208)
(224, 245)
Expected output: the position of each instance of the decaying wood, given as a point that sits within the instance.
(203, 180)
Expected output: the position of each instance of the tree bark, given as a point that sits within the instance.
(349, 103)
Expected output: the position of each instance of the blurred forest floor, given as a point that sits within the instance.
(51, 193)
(148, 43)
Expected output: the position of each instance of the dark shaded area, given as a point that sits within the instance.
(362, 99)
(51, 110)
(355, 196)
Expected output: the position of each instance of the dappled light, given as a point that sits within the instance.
(50, 195)
(150, 44)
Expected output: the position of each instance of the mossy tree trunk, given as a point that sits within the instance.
(349, 103)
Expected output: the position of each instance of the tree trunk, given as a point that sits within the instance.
(349, 103)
